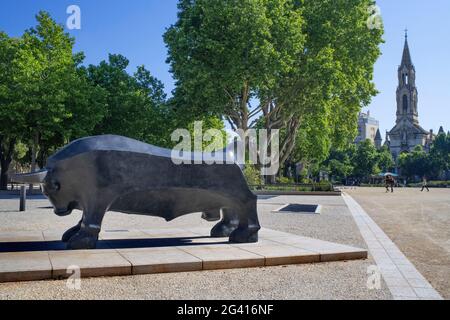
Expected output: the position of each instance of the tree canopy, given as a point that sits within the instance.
(48, 98)
(304, 67)
(419, 163)
(359, 161)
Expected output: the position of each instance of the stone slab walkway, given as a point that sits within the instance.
(400, 275)
(28, 256)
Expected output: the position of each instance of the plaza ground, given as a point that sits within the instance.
(336, 280)
(418, 223)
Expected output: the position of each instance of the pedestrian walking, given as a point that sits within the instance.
(390, 182)
(425, 184)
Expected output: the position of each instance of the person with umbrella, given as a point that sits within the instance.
(390, 182)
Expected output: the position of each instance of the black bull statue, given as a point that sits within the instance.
(113, 173)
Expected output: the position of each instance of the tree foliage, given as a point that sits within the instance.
(385, 160)
(440, 152)
(134, 103)
(358, 161)
(365, 160)
(11, 120)
(48, 98)
(416, 163)
(304, 67)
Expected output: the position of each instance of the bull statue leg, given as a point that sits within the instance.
(71, 232)
(229, 223)
(247, 231)
(87, 235)
(212, 215)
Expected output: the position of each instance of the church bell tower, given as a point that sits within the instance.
(407, 132)
(407, 98)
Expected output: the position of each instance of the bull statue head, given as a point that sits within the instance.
(51, 187)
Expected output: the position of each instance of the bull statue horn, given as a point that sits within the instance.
(33, 177)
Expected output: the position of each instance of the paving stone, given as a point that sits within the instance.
(92, 263)
(170, 233)
(53, 235)
(419, 283)
(392, 274)
(162, 250)
(387, 267)
(406, 298)
(427, 293)
(21, 236)
(328, 251)
(198, 231)
(407, 268)
(402, 291)
(271, 234)
(25, 266)
(343, 254)
(400, 262)
(396, 281)
(122, 234)
(412, 275)
(401, 276)
(278, 254)
(160, 260)
(225, 257)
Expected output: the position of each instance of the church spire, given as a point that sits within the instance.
(407, 96)
(378, 140)
(406, 58)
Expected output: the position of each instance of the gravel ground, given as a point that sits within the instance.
(337, 280)
(418, 223)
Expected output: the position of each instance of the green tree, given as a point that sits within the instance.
(440, 152)
(365, 160)
(302, 67)
(136, 104)
(339, 163)
(126, 114)
(417, 164)
(46, 97)
(223, 53)
(227, 55)
(11, 119)
(44, 68)
(385, 160)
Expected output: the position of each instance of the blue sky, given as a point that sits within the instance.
(134, 28)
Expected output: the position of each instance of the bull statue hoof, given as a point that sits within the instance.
(244, 235)
(114, 173)
(82, 240)
(71, 232)
(226, 226)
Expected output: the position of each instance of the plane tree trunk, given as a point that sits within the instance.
(6, 153)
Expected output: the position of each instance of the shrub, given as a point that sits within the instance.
(285, 180)
(252, 175)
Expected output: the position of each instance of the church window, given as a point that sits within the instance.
(405, 78)
(405, 103)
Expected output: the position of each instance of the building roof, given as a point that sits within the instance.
(406, 57)
(378, 136)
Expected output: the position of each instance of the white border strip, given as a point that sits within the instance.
(400, 275)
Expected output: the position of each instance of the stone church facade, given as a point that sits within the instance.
(407, 132)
